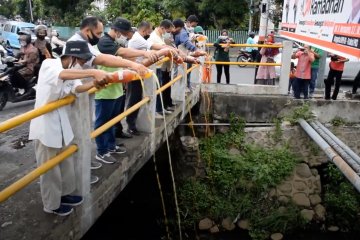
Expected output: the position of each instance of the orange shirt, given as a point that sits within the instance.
(338, 66)
(303, 69)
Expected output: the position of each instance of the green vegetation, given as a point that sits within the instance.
(342, 201)
(338, 121)
(278, 133)
(239, 183)
(303, 112)
(230, 14)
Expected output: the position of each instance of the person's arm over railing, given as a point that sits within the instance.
(184, 39)
(108, 60)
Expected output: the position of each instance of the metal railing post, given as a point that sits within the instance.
(285, 68)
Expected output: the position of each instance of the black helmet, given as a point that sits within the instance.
(27, 34)
(251, 34)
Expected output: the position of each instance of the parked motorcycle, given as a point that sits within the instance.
(244, 57)
(9, 93)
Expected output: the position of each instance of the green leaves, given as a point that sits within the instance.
(239, 176)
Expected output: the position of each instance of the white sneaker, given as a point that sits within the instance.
(95, 165)
(93, 179)
(106, 158)
(158, 115)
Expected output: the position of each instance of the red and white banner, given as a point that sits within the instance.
(333, 25)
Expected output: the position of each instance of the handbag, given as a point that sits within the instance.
(270, 60)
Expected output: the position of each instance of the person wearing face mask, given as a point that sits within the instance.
(91, 29)
(138, 41)
(183, 42)
(28, 58)
(56, 44)
(190, 24)
(109, 102)
(158, 36)
(52, 132)
(41, 44)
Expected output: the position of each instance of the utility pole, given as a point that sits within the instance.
(264, 16)
(31, 12)
(251, 12)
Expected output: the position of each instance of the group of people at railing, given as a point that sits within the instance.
(89, 60)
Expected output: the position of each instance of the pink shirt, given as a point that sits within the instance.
(303, 68)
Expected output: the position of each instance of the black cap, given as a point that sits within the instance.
(122, 24)
(78, 49)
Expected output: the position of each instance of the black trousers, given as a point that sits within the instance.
(356, 83)
(219, 72)
(134, 93)
(167, 93)
(118, 126)
(333, 74)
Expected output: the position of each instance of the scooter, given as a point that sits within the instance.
(244, 57)
(9, 93)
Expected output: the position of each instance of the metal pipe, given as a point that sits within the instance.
(354, 165)
(37, 172)
(339, 142)
(334, 157)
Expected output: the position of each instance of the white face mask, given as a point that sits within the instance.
(167, 35)
(121, 40)
(23, 43)
(76, 65)
(190, 29)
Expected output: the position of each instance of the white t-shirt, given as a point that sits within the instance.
(138, 42)
(52, 129)
(155, 38)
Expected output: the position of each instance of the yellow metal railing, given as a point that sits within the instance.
(37, 172)
(16, 121)
(244, 63)
(51, 163)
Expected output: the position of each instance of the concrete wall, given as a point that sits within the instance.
(263, 108)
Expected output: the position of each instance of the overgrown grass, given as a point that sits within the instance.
(239, 183)
(303, 112)
(342, 200)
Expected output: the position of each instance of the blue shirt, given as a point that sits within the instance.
(250, 41)
(183, 38)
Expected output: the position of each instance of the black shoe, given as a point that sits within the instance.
(123, 135)
(133, 131)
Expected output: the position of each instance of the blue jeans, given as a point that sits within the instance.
(189, 65)
(301, 85)
(158, 99)
(105, 110)
(314, 74)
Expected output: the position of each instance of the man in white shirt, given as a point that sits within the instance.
(134, 94)
(157, 36)
(52, 131)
